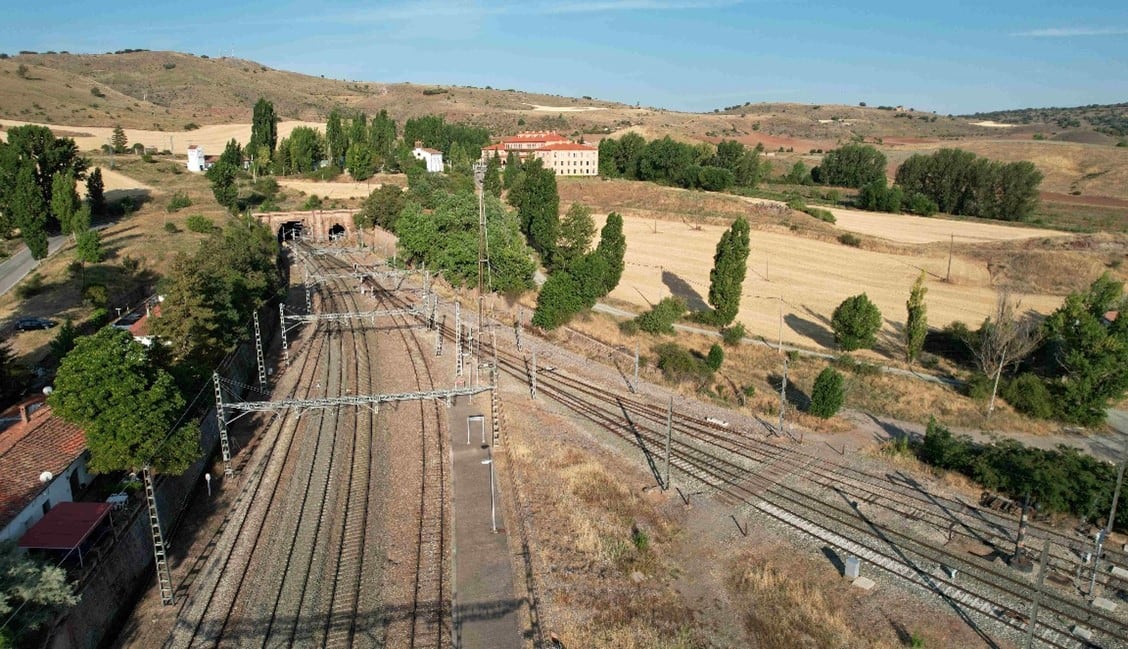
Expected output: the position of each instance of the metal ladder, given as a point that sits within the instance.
(164, 575)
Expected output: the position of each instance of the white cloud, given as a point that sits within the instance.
(1070, 32)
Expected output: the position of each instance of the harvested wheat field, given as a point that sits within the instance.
(342, 189)
(902, 228)
(812, 278)
(213, 138)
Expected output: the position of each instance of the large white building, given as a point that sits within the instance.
(557, 152)
(433, 158)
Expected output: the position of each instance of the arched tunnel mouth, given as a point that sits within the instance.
(289, 231)
(337, 232)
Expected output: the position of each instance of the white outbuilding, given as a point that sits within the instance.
(196, 161)
(433, 158)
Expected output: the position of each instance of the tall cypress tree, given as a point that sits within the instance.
(512, 168)
(730, 265)
(613, 248)
(336, 138)
(264, 126)
(916, 323)
(64, 200)
(538, 207)
(95, 192)
(491, 184)
(30, 211)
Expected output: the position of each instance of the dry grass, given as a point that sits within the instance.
(785, 607)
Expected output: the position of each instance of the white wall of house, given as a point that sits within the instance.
(55, 492)
(434, 160)
(196, 160)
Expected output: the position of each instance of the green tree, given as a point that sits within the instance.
(126, 404)
(264, 126)
(337, 140)
(726, 280)
(64, 339)
(491, 183)
(232, 155)
(852, 165)
(447, 240)
(1090, 357)
(608, 155)
(612, 248)
(856, 322)
(577, 229)
(222, 176)
(631, 147)
(95, 192)
(382, 208)
(118, 140)
(382, 135)
(512, 170)
(538, 207)
(89, 249)
(559, 299)
(828, 394)
(715, 358)
(799, 174)
(959, 182)
(916, 320)
(36, 147)
(360, 161)
(30, 212)
(33, 591)
(305, 149)
(64, 200)
(1003, 340)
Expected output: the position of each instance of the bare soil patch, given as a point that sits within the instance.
(904, 228)
(342, 188)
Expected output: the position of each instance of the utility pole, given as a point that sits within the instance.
(669, 434)
(1103, 535)
(483, 254)
(783, 395)
(951, 244)
(1037, 596)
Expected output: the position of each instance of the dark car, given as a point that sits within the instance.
(28, 324)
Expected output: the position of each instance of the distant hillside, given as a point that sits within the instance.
(1110, 119)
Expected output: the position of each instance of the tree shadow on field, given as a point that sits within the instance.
(680, 288)
(833, 557)
(796, 397)
(811, 329)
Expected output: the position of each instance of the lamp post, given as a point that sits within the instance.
(493, 497)
(479, 169)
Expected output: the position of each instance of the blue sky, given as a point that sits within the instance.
(680, 54)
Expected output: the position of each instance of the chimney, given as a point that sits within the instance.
(419, 144)
(25, 414)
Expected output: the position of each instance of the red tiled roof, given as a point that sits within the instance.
(140, 328)
(494, 147)
(27, 449)
(191, 146)
(567, 146)
(535, 136)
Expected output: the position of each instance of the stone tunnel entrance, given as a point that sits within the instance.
(289, 230)
(337, 231)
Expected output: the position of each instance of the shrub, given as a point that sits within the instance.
(96, 295)
(1028, 394)
(199, 223)
(660, 319)
(979, 386)
(97, 93)
(851, 240)
(169, 66)
(178, 201)
(130, 264)
(629, 327)
(820, 214)
(312, 203)
(920, 204)
(434, 91)
(679, 364)
(715, 358)
(326, 173)
(171, 228)
(733, 334)
(860, 368)
(855, 323)
(191, 126)
(828, 394)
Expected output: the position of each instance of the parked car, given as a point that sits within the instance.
(28, 324)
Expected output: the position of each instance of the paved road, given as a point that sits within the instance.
(16, 267)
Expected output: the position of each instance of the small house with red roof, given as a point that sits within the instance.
(558, 153)
(197, 161)
(42, 464)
